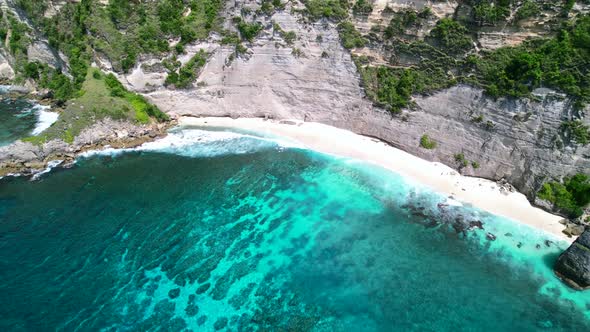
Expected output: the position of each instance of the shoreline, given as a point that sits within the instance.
(482, 193)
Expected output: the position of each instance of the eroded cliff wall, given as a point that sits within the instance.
(519, 140)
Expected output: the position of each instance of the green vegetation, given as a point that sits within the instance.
(249, 31)
(183, 76)
(16, 42)
(349, 36)
(336, 10)
(33, 8)
(392, 87)
(142, 108)
(230, 38)
(122, 30)
(297, 52)
(529, 8)
(197, 24)
(451, 36)
(288, 36)
(49, 78)
(570, 196)
(490, 12)
(463, 162)
(362, 7)
(268, 7)
(19, 41)
(427, 143)
(477, 119)
(567, 7)
(562, 62)
(101, 97)
(460, 158)
(400, 22)
(577, 131)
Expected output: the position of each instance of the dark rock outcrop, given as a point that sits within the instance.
(573, 266)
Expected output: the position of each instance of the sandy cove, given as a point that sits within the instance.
(482, 193)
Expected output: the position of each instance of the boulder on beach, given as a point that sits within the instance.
(573, 265)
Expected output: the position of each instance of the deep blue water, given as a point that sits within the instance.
(240, 234)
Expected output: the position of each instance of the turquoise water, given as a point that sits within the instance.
(18, 118)
(241, 234)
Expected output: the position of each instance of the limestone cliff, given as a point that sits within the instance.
(519, 140)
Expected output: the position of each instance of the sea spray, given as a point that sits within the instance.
(50, 165)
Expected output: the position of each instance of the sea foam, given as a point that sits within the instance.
(191, 142)
(44, 118)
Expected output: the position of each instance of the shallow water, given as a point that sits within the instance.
(17, 119)
(20, 118)
(239, 233)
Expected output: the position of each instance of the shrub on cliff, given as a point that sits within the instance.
(460, 158)
(400, 22)
(249, 31)
(333, 9)
(570, 196)
(452, 36)
(562, 62)
(362, 7)
(350, 37)
(528, 9)
(427, 143)
(577, 131)
(140, 105)
(182, 77)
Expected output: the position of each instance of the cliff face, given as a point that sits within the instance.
(519, 140)
(267, 81)
(38, 50)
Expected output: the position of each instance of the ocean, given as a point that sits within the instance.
(217, 230)
(20, 117)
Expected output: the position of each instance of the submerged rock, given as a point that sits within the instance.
(174, 293)
(573, 265)
(220, 323)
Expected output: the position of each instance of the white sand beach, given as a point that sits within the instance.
(482, 193)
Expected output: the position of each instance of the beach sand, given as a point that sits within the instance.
(484, 194)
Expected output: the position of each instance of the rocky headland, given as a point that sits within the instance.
(26, 158)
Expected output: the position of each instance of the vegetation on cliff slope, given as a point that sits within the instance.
(332, 9)
(446, 58)
(119, 32)
(101, 96)
(562, 62)
(570, 196)
(183, 76)
(122, 30)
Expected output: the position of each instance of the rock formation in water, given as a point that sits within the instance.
(573, 266)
